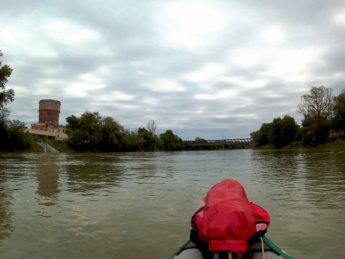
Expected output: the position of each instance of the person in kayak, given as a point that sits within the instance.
(228, 225)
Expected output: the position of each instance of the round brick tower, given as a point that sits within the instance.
(49, 111)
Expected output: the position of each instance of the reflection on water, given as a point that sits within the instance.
(88, 175)
(138, 205)
(326, 187)
(6, 226)
(47, 177)
(309, 187)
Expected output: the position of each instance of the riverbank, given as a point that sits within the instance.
(62, 146)
(337, 144)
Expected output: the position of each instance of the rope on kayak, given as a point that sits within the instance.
(262, 248)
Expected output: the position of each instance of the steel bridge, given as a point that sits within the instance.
(219, 142)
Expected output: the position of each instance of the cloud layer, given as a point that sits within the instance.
(210, 69)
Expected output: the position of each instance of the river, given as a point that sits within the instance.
(138, 205)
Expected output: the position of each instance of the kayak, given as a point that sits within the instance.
(229, 226)
(264, 248)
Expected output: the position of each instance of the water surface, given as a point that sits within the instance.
(138, 205)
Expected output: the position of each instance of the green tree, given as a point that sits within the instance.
(131, 142)
(112, 134)
(12, 135)
(261, 137)
(317, 109)
(283, 131)
(6, 96)
(150, 142)
(91, 132)
(279, 133)
(315, 131)
(318, 103)
(171, 142)
(14, 138)
(84, 132)
(339, 111)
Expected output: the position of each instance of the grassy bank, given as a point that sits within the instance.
(334, 144)
(59, 145)
(337, 144)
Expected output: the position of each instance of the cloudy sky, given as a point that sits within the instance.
(210, 69)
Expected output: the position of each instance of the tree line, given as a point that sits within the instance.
(92, 132)
(323, 120)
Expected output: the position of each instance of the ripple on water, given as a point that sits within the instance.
(139, 205)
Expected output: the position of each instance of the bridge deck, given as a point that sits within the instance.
(219, 142)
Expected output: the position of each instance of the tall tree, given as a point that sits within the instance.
(152, 126)
(171, 142)
(261, 136)
(318, 103)
(283, 131)
(91, 132)
(339, 111)
(112, 133)
(279, 133)
(6, 96)
(317, 109)
(150, 142)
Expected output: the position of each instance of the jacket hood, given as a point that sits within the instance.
(227, 220)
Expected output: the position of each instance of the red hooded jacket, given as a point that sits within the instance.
(228, 219)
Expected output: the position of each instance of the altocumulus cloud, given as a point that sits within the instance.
(209, 69)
